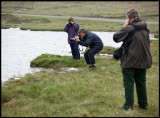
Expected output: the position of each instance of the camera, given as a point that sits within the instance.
(69, 23)
(76, 37)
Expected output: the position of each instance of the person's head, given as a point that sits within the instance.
(132, 14)
(82, 32)
(70, 19)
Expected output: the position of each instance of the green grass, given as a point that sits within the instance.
(52, 24)
(99, 9)
(55, 61)
(58, 24)
(83, 93)
(148, 12)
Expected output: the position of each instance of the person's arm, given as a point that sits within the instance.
(85, 43)
(123, 32)
(66, 28)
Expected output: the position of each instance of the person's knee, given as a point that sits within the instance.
(90, 53)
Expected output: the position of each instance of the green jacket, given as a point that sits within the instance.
(139, 55)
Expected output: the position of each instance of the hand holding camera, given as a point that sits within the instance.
(76, 39)
(70, 23)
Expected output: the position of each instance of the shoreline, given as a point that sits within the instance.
(19, 28)
(101, 55)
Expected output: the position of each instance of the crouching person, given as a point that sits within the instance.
(94, 42)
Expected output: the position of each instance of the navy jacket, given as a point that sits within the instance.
(92, 40)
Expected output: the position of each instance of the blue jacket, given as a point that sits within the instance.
(72, 31)
(92, 40)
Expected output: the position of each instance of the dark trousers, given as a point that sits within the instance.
(89, 55)
(139, 77)
(75, 50)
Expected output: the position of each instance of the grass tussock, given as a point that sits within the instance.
(83, 93)
(55, 61)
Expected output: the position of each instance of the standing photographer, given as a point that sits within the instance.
(137, 59)
(72, 29)
(94, 42)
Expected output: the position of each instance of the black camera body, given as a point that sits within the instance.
(76, 37)
(70, 23)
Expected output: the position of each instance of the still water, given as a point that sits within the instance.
(19, 47)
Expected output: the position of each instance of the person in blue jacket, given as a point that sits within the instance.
(94, 42)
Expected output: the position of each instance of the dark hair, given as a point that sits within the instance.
(132, 13)
(82, 30)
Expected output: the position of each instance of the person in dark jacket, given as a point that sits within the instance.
(94, 42)
(72, 29)
(136, 61)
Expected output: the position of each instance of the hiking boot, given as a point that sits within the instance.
(127, 108)
(92, 66)
(144, 108)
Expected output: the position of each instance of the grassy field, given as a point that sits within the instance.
(83, 93)
(149, 10)
(58, 24)
(114, 10)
